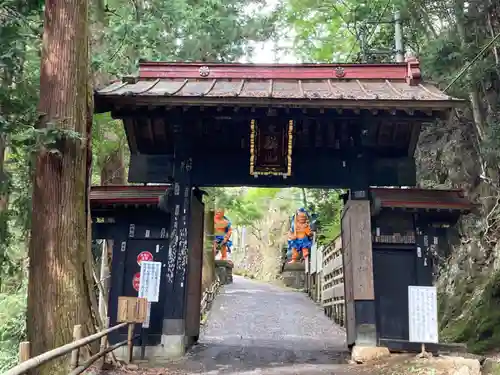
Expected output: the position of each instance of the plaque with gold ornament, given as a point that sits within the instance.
(271, 148)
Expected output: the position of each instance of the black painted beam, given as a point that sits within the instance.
(317, 172)
(188, 114)
(150, 168)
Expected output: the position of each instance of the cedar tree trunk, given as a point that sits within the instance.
(58, 295)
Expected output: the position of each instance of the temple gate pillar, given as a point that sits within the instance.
(174, 339)
(358, 270)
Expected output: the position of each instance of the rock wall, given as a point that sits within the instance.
(468, 276)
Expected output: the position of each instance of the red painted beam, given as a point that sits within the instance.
(110, 194)
(415, 190)
(100, 188)
(430, 205)
(408, 71)
(127, 200)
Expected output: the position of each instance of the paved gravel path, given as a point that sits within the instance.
(258, 328)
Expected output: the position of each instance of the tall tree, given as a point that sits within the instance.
(58, 261)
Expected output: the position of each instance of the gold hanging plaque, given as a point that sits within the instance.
(271, 149)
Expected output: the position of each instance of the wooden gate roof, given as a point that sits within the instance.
(126, 194)
(391, 86)
(426, 199)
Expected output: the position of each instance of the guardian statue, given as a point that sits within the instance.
(299, 237)
(222, 231)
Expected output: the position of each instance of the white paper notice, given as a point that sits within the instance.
(422, 311)
(145, 324)
(149, 285)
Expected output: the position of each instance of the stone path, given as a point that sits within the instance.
(258, 328)
(255, 328)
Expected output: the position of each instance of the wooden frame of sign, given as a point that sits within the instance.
(132, 309)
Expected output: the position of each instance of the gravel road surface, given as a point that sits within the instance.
(259, 328)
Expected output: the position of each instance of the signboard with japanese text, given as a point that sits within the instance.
(270, 147)
(145, 323)
(149, 285)
(422, 311)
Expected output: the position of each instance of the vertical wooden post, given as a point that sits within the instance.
(104, 282)
(24, 351)
(208, 271)
(75, 354)
(104, 344)
(130, 342)
(342, 315)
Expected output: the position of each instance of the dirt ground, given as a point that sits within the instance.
(257, 328)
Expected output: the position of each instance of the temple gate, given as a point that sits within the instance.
(389, 244)
(138, 230)
(409, 230)
(311, 125)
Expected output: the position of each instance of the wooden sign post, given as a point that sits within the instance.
(131, 310)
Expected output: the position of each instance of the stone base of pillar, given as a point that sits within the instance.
(362, 324)
(294, 276)
(224, 269)
(362, 354)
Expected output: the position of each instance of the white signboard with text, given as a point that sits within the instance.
(422, 314)
(149, 285)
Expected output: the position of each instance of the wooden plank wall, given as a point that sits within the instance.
(360, 249)
(357, 260)
(332, 294)
(347, 268)
(195, 264)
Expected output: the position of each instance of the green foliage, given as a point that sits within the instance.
(12, 326)
(326, 31)
(478, 326)
(327, 205)
(246, 206)
(179, 30)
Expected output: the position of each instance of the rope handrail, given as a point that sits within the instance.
(43, 358)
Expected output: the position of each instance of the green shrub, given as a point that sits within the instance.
(12, 326)
(480, 327)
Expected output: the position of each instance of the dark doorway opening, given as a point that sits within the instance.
(394, 271)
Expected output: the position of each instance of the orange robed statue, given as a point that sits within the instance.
(299, 236)
(222, 231)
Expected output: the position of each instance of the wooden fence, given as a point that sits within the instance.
(332, 283)
(76, 367)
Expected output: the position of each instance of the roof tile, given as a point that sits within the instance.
(423, 198)
(279, 89)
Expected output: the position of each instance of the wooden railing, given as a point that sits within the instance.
(75, 366)
(332, 283)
